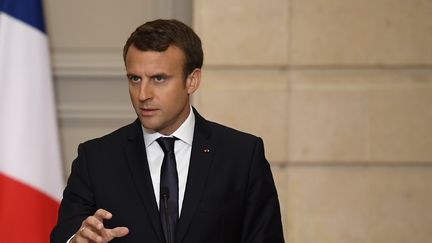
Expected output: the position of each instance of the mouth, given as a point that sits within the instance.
(148, 111)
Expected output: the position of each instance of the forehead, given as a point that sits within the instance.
(172, 57)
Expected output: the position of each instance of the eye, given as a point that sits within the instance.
(159, 78)
(134, 78)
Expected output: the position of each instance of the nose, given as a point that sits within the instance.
(145, 91)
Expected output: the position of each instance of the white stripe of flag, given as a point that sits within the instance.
(29, 147)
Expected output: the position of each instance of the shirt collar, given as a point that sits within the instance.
(184, 132)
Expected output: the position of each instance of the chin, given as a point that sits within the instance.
(149, 126)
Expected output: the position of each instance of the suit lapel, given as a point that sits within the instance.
(137, 160)
(201, 158)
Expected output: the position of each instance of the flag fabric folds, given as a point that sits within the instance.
(31, 178)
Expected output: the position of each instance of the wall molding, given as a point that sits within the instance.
(351, 164)
(74, 113)
(91, 63)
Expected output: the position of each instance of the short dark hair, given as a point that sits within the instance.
(158, 35)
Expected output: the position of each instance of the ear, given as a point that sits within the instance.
(193, 81)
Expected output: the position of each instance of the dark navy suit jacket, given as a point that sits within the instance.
(230, 194)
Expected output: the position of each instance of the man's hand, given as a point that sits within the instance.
(93, 230)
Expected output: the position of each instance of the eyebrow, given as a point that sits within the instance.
(131, 74)
(160, 74)
(163, 74)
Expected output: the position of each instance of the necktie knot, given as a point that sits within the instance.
(166, 143)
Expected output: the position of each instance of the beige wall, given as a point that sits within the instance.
(341, 92)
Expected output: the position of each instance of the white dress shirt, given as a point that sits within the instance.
(182, 151)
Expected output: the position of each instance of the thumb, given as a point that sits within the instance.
(119, 232)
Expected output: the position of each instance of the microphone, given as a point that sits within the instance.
(164, 194)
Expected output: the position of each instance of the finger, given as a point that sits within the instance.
(102, 214)
(119, 232)
(89, 235)
(93, 222)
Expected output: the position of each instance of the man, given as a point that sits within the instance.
(171, 176)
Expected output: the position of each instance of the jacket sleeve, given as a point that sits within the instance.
(77, 203)
(262, 219)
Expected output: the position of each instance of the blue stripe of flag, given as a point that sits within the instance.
(28, 11)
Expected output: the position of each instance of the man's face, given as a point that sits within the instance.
(157, 88)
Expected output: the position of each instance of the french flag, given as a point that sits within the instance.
(31, 178)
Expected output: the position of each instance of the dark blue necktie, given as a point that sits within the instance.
(168, 200)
